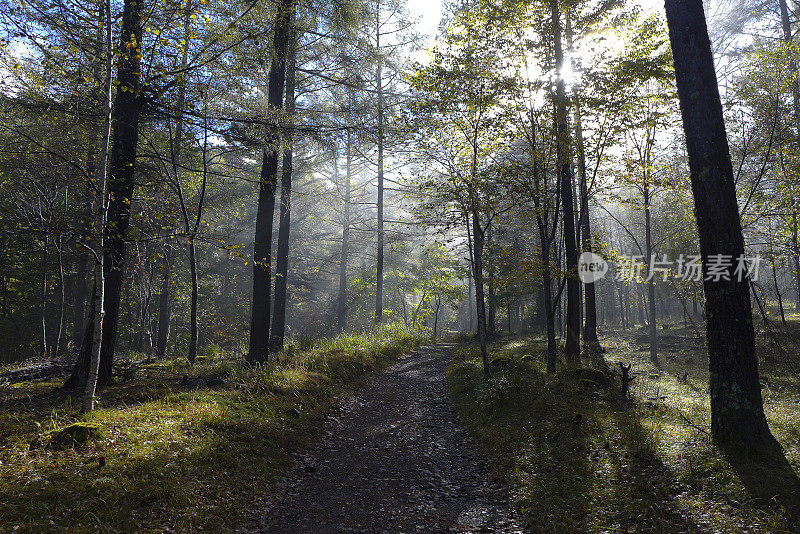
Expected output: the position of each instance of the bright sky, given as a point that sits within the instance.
(430, 13)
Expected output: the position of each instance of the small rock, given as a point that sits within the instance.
(74, 435)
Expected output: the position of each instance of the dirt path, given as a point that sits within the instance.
(394, 460)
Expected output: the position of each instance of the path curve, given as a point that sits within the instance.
(395, 459)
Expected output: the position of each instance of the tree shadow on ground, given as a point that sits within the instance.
(645, 490)
(769, 478)
(525, 419)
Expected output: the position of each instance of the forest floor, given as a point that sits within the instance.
(581, 458)
(170, 454)
(396, 460)
(311, 443)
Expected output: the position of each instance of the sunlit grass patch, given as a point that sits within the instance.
(644, 466)
(171, 458)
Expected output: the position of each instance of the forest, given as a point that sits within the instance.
(316, 266)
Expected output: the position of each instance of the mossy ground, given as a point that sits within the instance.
(176, 460)
(647, 465)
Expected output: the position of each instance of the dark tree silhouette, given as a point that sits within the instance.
(262, 249)
(572, 349)
(737, 411)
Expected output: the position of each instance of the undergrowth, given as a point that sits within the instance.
(175, 459)
(580, 458)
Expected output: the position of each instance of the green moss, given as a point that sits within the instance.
(74, 435)
(175, 459)
(580, 459)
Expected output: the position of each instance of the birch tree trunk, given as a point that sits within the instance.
(98, 297)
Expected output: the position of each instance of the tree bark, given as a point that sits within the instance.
(193, 330)
(282, 261)
(590, 299)
(62, 299)
(775, 285)
(43, 299)
(262, 249)
(82, 261)
(121, 172)
(651, 287)
(379, 263)
(436, 317)
(796, 258)
(191, 234)
(737, 410)
(94, 352)
(491, 321)
(572, 348)
(342, 306)
(786, 26)
(550, 319)
(477, 272)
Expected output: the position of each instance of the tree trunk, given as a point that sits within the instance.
(436, 316)
(737, 410)
(470, 292)
(379, 264)
(796, 258)
(82, 262)
(651, 287)
(79, 299)
(786, 26)
(549, 312)
(477, 272)
(121, 172)
(191, 234)
(43, 300)
(777, 288)
(282, 260)
(262, 249)
(572, 348)
(193, 330)
(491, 321)
(164, 308)
(62, 300)
(94, 352)
(342, 306)
(590, 300)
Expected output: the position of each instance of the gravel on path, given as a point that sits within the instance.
(394, 459)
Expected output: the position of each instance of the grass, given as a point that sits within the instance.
(580, 458)
(176, 460)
